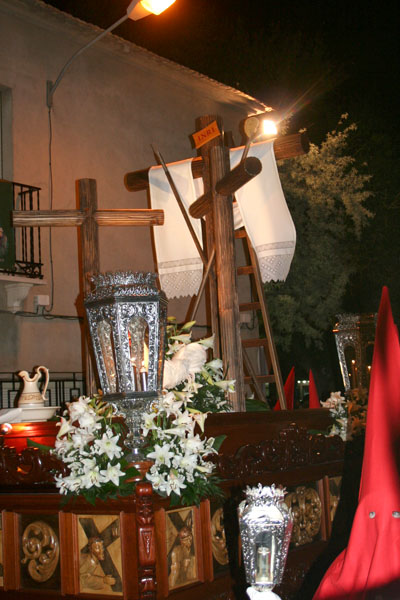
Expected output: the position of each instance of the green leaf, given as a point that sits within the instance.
(218, 442)
(131, 472)
(188, 326)
(185, 338)
(254, 405)
(32, 444)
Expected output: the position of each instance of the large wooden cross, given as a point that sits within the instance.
(88, 217)
(216, 205)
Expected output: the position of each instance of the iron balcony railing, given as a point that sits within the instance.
(20, 248)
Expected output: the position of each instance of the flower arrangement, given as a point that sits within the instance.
(89, 443)
(182, 467)
(90, 440)
(349, 413)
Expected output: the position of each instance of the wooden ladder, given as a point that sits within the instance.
(273, 375)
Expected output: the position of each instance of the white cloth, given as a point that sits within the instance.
(179, 265)
(266, 595)
(10, 415)
(262, 209)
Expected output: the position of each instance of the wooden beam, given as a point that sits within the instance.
(141, 217)
(217, 157)
(288, 146)
(47, 218)
(228, 185)
(138, 217)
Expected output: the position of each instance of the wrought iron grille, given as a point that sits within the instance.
(62, 388)
(28, 259)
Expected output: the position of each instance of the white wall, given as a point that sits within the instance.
(115, 101)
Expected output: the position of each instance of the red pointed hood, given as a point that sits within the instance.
(370, 565)
(313, 398)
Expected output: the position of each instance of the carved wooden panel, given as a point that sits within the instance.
(293, 448)
(1, 551)
(39, 543)
(308, 517)
(30, 467)
(100, 561)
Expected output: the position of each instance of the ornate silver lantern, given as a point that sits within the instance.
(265, 527)
(127, 316)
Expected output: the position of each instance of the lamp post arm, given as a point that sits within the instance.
(51, 87)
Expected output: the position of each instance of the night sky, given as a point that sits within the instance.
(319, 59)
(322, 58)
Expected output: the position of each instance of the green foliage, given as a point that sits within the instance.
(326, 195)
(195, 492)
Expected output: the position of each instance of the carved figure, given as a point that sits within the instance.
(91, 574)
(218, 538)
(183, 566)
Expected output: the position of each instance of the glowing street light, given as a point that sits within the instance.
(257, 126)
(142, 8)
(263, 124)
(137, 9)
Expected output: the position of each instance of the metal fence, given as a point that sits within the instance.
(63, 387)
(28, 259)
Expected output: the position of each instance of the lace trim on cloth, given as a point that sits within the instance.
(176, 285)
(181, 277)
(274, 260)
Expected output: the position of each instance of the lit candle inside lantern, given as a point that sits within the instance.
(353, 373)
(146, 356)
(369, 373)
(272, 561)
(143, 377)
(135, 375)
(263, 566)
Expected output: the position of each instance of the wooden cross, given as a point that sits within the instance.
(88, 217)
(220, 184)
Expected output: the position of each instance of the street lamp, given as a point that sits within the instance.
(260, 125)
(263, 125)
(136, 10)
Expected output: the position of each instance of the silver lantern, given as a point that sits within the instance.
(265, 527)
(127, 317)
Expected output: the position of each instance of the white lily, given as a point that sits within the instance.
(162, 454)
(207, 342)
(175, 482)
(199, 417)
(91, 478)
(108, 444)
(188, 462)
(157, 480)
(215, 364)
(228, 385)
(65, 427)
(148, 422)
(112, 473)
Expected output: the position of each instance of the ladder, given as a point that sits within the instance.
(273, 375)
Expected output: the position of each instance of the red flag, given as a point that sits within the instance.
(313, 398)
(289, 392)
(370, 565)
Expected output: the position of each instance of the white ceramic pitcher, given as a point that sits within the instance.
(31, 395)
